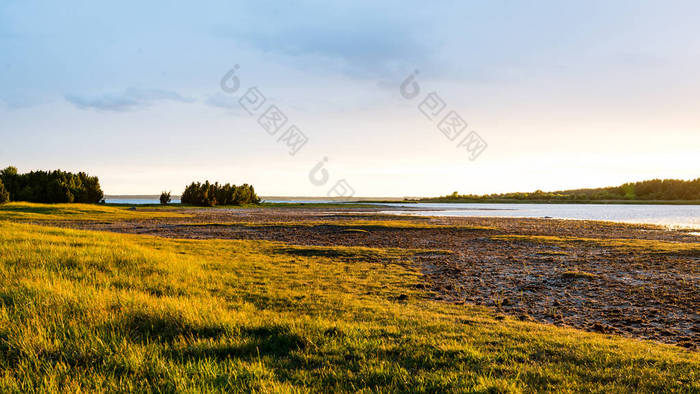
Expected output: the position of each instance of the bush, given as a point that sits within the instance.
(165, 198)
(210, 194)
(51, 187)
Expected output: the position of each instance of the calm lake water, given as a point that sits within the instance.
(679, 216)
(686, 216)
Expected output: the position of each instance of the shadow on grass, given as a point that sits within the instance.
(147, 327)
(26, 209)
(317, 252)
(50, 209)
(343, 254)
(277, 341)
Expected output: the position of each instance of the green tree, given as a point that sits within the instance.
(165, 198)
(51, 187)
(210, 194)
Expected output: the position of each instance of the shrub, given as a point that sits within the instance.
(210, 194)
(165, 198)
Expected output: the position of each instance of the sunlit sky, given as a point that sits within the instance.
(565, 94)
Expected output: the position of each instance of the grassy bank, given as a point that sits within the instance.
(26, 211)
(93, 311)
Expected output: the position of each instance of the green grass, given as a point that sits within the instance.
(26, 211)
(91, 311)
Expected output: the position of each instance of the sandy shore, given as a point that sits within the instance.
(634, 280)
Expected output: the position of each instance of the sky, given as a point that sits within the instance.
(552, 95)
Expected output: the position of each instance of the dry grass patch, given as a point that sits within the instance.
(630, 245)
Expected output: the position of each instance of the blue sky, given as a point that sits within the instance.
(565, 94)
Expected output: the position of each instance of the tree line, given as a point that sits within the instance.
(49, 187)
(651, 190)
(210, 194)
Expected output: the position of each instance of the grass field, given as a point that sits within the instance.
(26, 211)
(92, 311)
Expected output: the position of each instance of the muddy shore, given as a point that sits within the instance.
(507, 264)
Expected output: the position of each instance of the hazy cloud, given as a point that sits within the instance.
(367, 39)
(130, 99)
(220, 100)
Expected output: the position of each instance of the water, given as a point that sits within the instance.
(138, 201)
(144, 201)
(300, 201)
(677, 216)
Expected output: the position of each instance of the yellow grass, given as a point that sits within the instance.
(25, 211)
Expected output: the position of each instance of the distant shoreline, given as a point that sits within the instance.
(411, 200)
(271, 198)
(579, 202)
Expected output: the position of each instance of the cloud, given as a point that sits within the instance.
(129, 100)
(367, 40)
(220, 100)
(369, 49)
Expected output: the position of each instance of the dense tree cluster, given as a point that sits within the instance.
(210, 194)
(655, 189)
(662, 189)
(51, 187)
